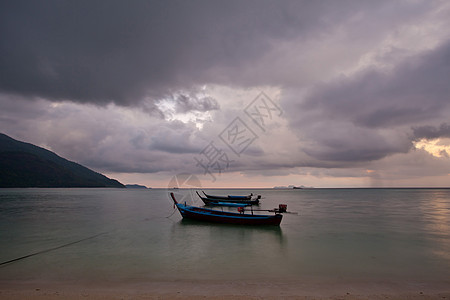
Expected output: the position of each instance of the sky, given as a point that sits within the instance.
(234, 93)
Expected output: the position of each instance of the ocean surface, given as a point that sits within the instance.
(129, 235)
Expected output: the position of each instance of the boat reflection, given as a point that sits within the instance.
(270, 229)
(275, 233)
(237, 251)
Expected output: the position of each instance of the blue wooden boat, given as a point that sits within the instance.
(213, 201)
(228, 197)
(229, 204)
(225, 217)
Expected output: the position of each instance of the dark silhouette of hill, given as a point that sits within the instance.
(26, 165)
(136, 186)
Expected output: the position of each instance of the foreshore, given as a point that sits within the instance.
(248, 289)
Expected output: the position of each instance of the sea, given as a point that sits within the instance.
(117, 236)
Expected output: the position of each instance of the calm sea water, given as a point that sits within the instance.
(118, 235)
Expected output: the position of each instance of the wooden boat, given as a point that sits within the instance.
(214, 201)
(229, 204)
(217, 216)
(229, 197)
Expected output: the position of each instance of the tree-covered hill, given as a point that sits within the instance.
(26, 165)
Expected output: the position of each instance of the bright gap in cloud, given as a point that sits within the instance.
(168, 107)
(436, 147)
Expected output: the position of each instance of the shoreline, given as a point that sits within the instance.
(215, 289)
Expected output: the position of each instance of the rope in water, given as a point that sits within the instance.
(174, 210)
(65, 245)
(51, 249)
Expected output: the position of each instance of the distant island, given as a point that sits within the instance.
(136, 186)
(25, 165)
(291, 186)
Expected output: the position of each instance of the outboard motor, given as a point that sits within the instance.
(282, 208)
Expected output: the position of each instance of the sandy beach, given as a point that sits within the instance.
(226, 290)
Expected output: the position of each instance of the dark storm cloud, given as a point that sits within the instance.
(431, 132)
(416, 90)
(122, 51)
(97, 51)
(368, 116)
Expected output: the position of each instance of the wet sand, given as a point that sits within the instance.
(226, 290)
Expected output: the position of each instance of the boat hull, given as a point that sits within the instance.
(228, 204)
(213, 201)
(225, 217)
(228, 198)
(214, 216)
(208, 201)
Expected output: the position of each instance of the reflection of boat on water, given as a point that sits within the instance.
(272, 237)
(225, 217)
(213, 200)
(218, 229)
(276, 231)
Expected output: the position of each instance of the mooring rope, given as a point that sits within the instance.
(174, 207)
(71, 243)
(174, 210)
(51, 249)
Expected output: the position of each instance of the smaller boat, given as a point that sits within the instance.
(225, 217)
(229, 204)
(229, 197)
(213, 201)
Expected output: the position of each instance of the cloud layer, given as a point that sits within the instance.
(122, 52)
(144, 86)
(372, 114)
